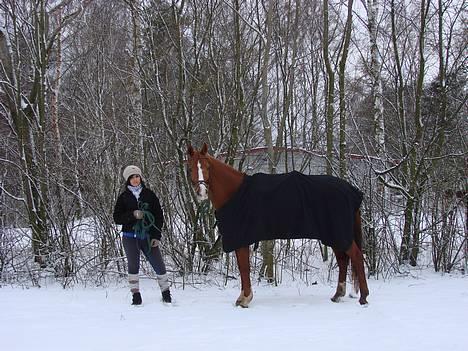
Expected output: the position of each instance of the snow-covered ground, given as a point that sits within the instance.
(426, 311)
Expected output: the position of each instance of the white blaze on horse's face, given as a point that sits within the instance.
(202, 193)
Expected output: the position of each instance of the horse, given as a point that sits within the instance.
(220, 183)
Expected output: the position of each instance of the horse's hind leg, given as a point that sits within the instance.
(357, 260)
(343, 261)
(243, 262)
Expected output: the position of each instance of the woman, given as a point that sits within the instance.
(140, 214)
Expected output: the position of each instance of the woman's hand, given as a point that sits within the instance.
(138, 214)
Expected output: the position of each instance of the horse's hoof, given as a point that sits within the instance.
(340, 292)
(336, 298)
(243, 301)
(240, 298)
(363, 301)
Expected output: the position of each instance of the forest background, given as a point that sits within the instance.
(374, 90)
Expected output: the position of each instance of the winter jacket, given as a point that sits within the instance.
(127, 203)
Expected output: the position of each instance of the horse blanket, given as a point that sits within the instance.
(290, 206)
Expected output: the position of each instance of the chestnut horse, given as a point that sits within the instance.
(218, 182)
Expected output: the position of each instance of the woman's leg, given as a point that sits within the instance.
(132, 251)
(154, 257)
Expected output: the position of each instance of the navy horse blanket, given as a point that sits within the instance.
(290, 206)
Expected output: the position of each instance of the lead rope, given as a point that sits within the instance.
(142, 226)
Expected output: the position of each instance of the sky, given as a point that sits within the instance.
(423, 311)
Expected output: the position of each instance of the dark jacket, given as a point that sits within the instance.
(127, 203)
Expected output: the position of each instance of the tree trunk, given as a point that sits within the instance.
(376, 81)
(330, 89)
(135, 85)
(59, 209)
(267, 269)
(342, 88)
(411, 229)
(379, 125)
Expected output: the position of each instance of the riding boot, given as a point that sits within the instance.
(166, 296)
(136, 299)
(163, 282)
(134, 283)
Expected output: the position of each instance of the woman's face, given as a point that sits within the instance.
(135, 180)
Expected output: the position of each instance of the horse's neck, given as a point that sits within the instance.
(224, 182)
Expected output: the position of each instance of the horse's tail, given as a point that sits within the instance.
(358, 240)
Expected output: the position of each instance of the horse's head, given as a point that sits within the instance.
(199, 169)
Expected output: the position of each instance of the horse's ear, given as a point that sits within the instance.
(190, 150)
(204, 149)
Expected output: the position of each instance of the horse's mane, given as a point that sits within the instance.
(224, 165)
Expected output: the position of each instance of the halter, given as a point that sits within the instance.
(202, 182)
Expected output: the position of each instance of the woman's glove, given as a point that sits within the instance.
(154, 242)
(138, 214)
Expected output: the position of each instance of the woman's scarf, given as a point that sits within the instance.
(136, 190)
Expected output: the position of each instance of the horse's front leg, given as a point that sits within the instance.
(243, 262)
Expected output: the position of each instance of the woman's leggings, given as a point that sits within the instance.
(132, 247)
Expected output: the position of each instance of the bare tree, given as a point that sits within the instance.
(26, 45)
(342, 89)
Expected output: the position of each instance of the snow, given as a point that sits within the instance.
(425, 311)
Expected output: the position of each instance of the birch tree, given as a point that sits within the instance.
(375, 77)
(342, 88)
